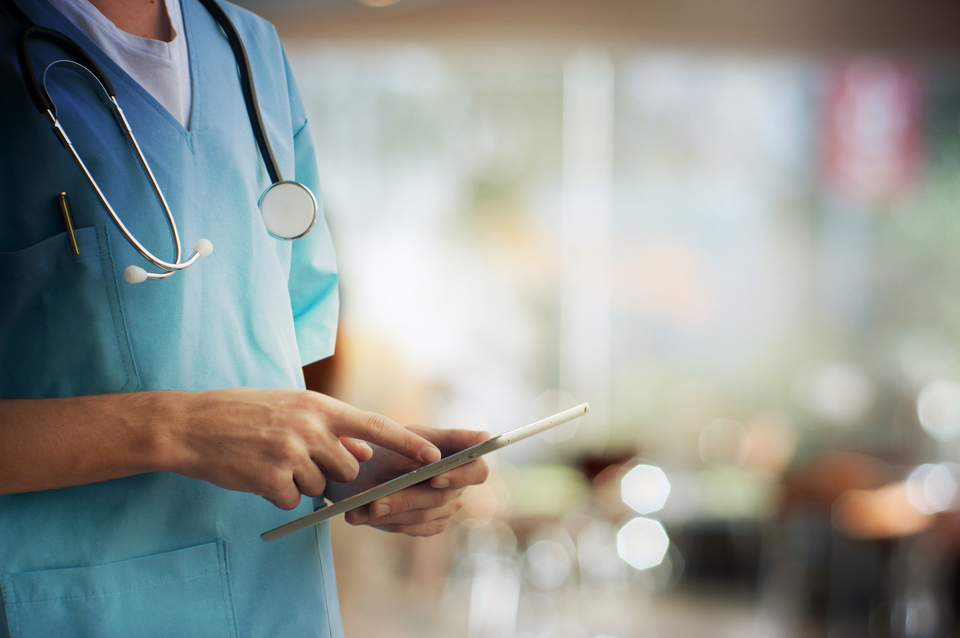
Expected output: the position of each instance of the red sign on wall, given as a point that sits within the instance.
(873, 145)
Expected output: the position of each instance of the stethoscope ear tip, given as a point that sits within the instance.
(134, 274)
(204, 247)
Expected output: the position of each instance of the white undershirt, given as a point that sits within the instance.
(161, 68)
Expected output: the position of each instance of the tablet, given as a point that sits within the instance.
(425, 473)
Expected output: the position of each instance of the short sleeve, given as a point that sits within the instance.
(313, 285)
(314, 294)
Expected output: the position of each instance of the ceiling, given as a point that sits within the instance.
(919, 26)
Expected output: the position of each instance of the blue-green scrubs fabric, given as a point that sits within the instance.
(157, 554)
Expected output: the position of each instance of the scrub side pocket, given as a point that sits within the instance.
(184, 593)
(62, 331)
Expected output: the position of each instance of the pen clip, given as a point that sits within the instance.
(68, 220)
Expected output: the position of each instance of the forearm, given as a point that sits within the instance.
(52, 443)
(277, 443)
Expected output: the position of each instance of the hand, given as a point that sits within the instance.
(420, 510)
(282, 443)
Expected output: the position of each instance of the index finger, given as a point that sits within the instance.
(385, 432)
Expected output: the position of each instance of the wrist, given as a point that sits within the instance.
(161, 446)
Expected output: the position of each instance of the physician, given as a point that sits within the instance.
(153, 416)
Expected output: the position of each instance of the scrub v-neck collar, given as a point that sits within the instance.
(187, 10)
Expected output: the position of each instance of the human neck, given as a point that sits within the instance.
(142, 18)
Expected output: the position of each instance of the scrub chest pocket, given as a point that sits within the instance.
(184, 593)
(62, 330)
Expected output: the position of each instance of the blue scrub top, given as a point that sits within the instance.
(157, 554)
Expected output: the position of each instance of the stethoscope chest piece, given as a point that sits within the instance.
(289, 210)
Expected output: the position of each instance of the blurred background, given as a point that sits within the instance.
(731, 226)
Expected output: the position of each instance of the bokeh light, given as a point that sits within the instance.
(838, 392)
(547, 564)
(645, 489)
(938, 408)
(932, 488)
(597, 552)
(642, 543)
(917, 616)
(724, 442)
(538, 612)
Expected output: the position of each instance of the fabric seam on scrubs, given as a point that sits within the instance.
(66, 256)
(156, 585)
(111, 290)
(116, 309)
(193, 68)
(300, 130)
(226, 588)
(4, 621)
(4, 590)
(41, 271)
(323, 579)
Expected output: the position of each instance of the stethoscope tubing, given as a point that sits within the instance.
(42, 101)
(168, 267)
(40, 98)
(248, 87)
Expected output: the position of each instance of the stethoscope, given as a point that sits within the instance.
(289, 209)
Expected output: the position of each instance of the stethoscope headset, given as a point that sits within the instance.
(289, 209)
